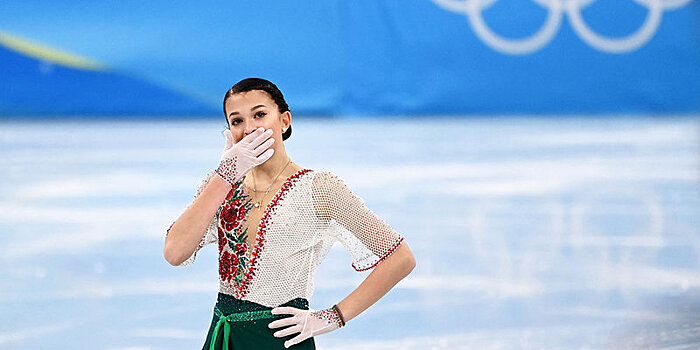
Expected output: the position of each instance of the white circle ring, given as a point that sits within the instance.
(616, 45)
(473, 9)
(517, 46)
(556, 9)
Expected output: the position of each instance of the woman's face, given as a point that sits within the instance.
(247, 111)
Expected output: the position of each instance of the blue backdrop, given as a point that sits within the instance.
(367, 57)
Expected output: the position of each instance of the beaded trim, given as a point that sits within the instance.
(388, 253)
(168, 230)
(329, 315)
(240, 292)
(340, 315)
(244, 316)
(199, 246)
(227, 170)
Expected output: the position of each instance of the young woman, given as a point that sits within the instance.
(274, 222)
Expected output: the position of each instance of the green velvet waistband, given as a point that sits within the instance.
(230, 309)
(228, 304)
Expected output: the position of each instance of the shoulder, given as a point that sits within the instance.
(326, 179)
(331, 185)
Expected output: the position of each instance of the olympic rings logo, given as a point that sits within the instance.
(556, 10)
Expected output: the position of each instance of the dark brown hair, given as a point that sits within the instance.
(271, 89)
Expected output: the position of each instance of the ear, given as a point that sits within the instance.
(286, 119)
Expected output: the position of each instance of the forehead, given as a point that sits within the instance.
(244, 101)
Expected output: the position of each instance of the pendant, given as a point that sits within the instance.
(257, 204)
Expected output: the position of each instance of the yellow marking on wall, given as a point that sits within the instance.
(46, 53)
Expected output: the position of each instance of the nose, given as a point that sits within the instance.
(251, 128)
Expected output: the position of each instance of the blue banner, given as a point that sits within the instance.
(351, 58)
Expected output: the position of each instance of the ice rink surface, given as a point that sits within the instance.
(529, 233)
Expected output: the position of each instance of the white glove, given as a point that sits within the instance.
(308, 323)
(237, 159)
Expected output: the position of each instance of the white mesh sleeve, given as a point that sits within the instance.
(366, 236)
(210, 236)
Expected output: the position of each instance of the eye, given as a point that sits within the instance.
(261, 114)
(235, 121)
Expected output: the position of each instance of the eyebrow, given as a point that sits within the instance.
(252, 109)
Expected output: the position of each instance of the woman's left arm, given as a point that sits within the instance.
(309, 323)
(379, 282)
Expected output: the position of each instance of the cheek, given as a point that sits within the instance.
(237, 136)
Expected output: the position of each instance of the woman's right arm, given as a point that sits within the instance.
(189, 232)
(186, 233)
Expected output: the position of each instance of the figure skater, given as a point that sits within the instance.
(274, 222)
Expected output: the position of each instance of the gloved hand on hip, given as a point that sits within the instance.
(239, 158)
(308, 323)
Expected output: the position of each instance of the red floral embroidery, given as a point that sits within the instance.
(232, 262)
(228, 266)
(228, 217)
(241, 248)
(222, 239)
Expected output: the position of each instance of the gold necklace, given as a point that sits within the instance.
(257, 204)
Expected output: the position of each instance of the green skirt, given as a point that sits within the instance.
(241, 325)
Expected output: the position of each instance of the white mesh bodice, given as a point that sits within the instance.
(304, 219)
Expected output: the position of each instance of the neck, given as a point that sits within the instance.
(266, 172)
